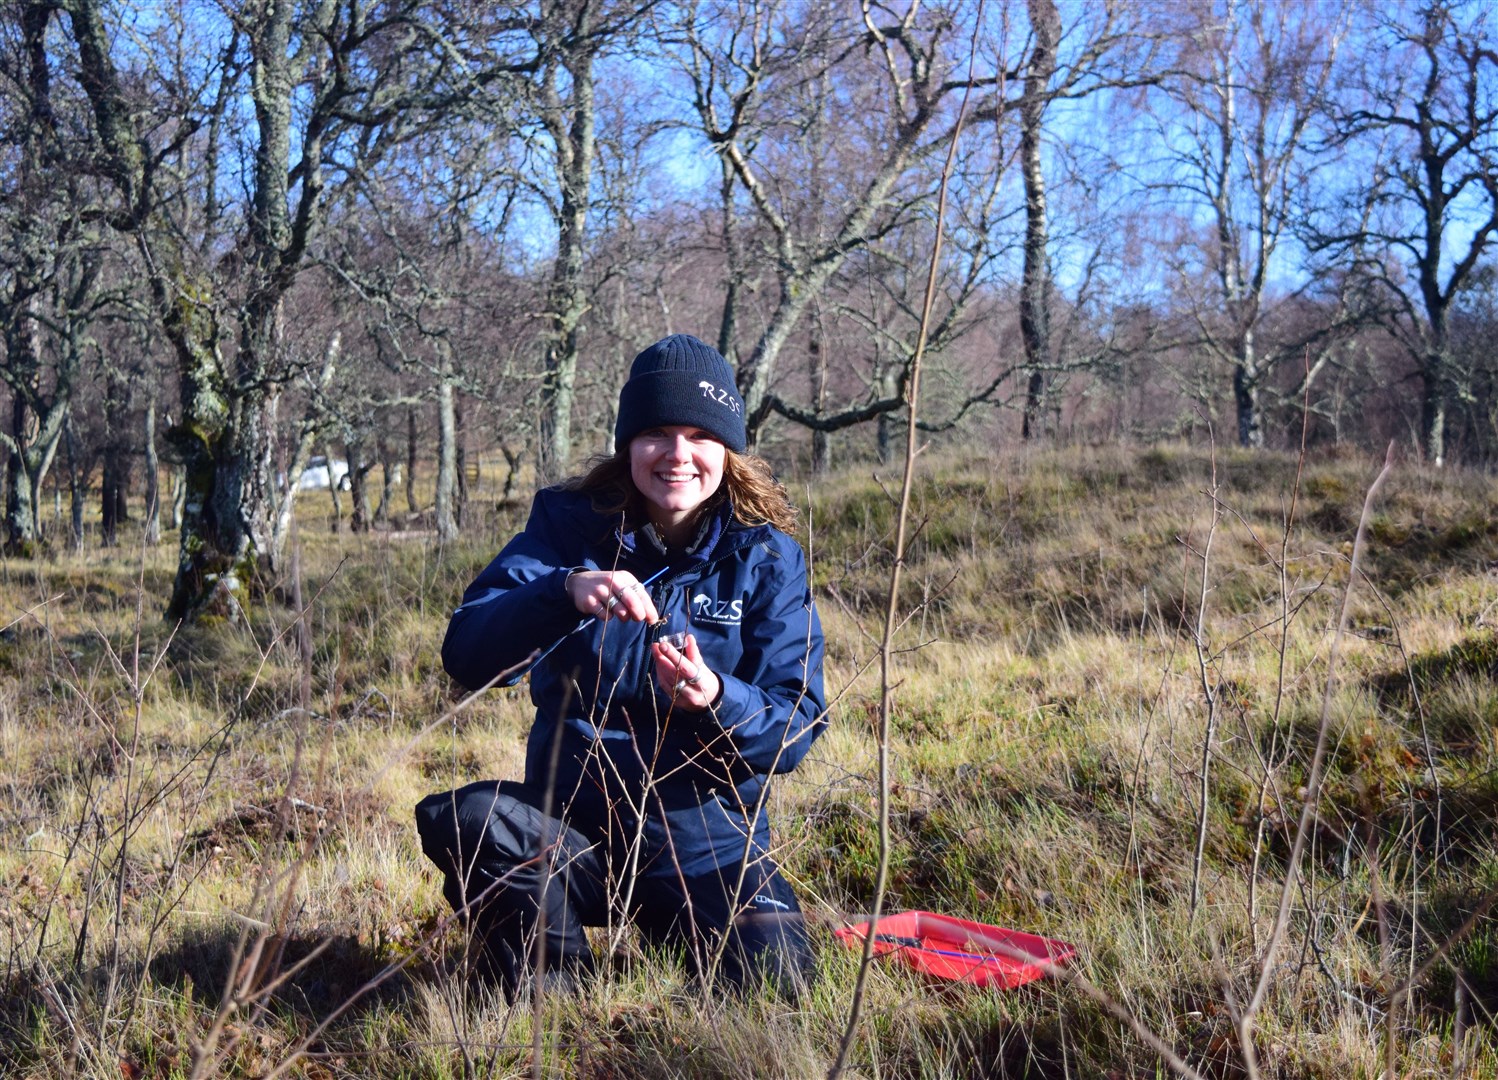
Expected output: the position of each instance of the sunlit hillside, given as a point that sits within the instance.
(208, 865)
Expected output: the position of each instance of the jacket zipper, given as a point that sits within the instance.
(661, 598)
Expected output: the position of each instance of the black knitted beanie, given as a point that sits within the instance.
(681, 380)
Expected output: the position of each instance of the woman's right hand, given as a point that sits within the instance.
(611, 594)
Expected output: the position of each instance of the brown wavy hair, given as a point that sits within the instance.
(748, 482)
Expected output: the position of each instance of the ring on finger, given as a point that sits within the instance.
(612, 602)
(694, 680)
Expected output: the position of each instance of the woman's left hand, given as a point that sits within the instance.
(684, 676)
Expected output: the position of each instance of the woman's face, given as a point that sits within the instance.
(676, 469)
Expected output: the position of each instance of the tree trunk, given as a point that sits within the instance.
(389, 477)
(1031, 422)
(152, 529)
(571, 126)
(1434, 401)
(77, 485)
(821, 459)
(889, 439)
(558, 391)
(114, 485)
(179, 496)
(821, 454)
(1247, 377)
(512, 460)
(22, 521)
(358, 475)
(888, 429)
(1035, 285)
(734, 258)
(412, 506)
(460, 459)
(21, 526)
(227, 547)
(225, 437)
(113, 488)
(335, 490)
(195, 498)
(795, 298)
(26, 467)
(447, 461)
(224, 444)
(308, 432)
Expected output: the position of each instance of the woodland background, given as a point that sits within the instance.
(236, 236)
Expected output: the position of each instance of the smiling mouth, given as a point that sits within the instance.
(676, 478)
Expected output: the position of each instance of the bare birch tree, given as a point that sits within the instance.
(300, 101)
(1251, 81)
(1093, 49)
(896, 85)
(1422, 113)
(51, 258)
(570, 37)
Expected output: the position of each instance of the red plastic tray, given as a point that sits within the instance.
(959, 950)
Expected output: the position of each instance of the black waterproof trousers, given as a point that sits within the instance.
(509, 866)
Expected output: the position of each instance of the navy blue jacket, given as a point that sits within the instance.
(677, 789)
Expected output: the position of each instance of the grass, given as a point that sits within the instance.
(206, 856)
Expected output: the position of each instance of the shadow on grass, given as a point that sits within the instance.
(1056, 1045)
(302, 975)
(37, 1011)
(1467, 980)
(22, 1013)
(1474, 656)
(998, 1048)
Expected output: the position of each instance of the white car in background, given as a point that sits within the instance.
(319, 475)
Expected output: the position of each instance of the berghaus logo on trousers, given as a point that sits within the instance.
(725, 612)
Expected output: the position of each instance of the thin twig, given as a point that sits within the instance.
(1318, 763)
(891, 612)
(1209, 692)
